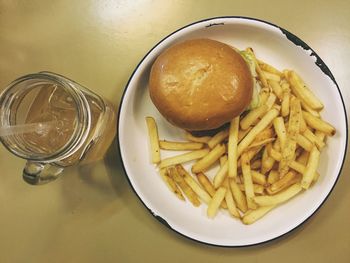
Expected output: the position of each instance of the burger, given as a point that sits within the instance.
(202, 84)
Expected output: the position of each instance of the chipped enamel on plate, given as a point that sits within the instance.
(277, 47)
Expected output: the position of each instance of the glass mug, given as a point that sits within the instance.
(53, 122)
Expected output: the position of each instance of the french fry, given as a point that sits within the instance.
(288, 151)
(261, 143)
(303, 157)
(271, 76)
(259, 127)
(318, 124)
(277, 107)
(266, 161)
(243, 133)
(266, 67)
(304, 142)
(209, 159)
(252, 152)
(298, 167)
(193, 184)
(294, 118)
(260, 73)
(218, 138)
(255, 165)
(281, 197)
(320, 135)
(231, 205)
(232, 147)
(206, 183)
(253, 215)
(290, 178)
(208, 186)
(288, 154)
(284, 81)
(273, 177)
(262, 77)
(267, 133)
(280, 130)
(238, 196)
(277, 145)
(270, 100)
(263, 95)
(171, 184)
(223, 159)
(276, 87)
(258, 178)
(183, 158)
(221, 175)
(248, 182)
(307, 108)
(215, 202)
(314, 139)
(225, 183)
(180, 146)
(311, 167)
(239, 179)
(303, 93)
(285, 100)
(192, 138)
(154, 139)
(263, 138)
(258, 189)
(298, 151)
(253, 116)
(303, 125)
(190, 194)
(293, 164)
(274, 154)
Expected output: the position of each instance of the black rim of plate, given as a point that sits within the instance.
(298, 42)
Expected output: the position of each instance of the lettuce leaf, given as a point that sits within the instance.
(255, 102)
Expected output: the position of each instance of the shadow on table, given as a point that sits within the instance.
(96, 188)
(115, 170)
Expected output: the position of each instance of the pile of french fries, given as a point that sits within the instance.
(265, 157)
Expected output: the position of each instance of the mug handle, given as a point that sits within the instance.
(36, 173)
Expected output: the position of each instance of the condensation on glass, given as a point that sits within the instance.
(63, 124)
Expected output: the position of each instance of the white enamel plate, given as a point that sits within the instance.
(277, 47)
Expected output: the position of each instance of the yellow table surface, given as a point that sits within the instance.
(91, 213)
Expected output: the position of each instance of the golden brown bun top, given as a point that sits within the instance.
(200, 84)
